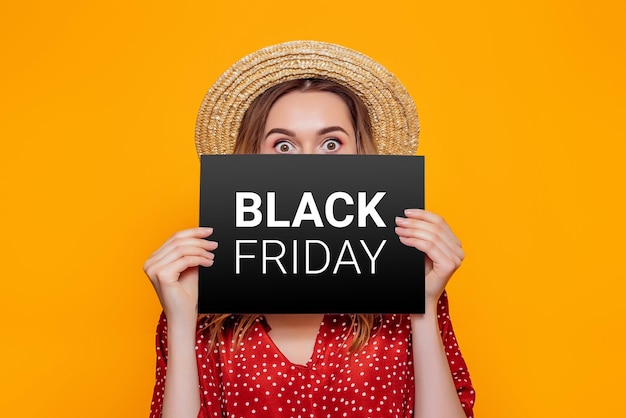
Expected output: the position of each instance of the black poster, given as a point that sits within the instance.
(310, 234)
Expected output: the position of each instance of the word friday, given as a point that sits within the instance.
(346, 255)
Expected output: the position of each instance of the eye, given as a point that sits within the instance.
(284, 147)
(331, 145)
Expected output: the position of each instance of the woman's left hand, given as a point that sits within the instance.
(431, 234)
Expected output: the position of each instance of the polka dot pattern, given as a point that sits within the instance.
(255, 379)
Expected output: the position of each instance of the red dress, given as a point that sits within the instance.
(256, 379)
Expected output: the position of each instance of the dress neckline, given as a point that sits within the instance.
(313, 357)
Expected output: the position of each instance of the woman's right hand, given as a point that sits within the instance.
(173, 270)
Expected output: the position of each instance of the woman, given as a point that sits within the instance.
(306, 364)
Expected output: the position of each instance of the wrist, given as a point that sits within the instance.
(431, 305)
(428, 317)
(182, 323)
(180, 311)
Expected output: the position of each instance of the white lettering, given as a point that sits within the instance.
(276, 258)
(238, 254)
(307, 246)
(346, 245)
(241, 209)
(330, 209)
(369, 209)
(307, 201)
(295, 256)
(274, 250)
(375, 256)
(271, 213)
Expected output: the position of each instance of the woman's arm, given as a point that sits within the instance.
(173, 271)
(435, 391)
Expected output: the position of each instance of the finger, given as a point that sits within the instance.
(428, 242)
(179, 252)
(174, 244)
(428, 231)
(182, 251)
(169, 273)
(200, 232)
(443, 262)
(432, 218)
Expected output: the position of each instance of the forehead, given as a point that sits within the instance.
(297, 106)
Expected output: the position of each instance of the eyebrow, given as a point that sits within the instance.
(280, 131)
(292, 133)
(331, 129)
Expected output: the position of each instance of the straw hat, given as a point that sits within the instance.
(392, 111)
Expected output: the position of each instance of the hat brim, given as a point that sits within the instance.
(392, 112)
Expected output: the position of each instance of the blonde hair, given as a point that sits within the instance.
(248, 142)
(361, 328)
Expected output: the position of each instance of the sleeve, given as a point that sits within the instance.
(458, 368)
(161, 367)
(209, 403)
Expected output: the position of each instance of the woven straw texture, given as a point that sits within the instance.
(391, 109)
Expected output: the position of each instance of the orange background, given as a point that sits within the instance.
(522, 107)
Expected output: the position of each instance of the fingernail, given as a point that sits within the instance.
(400, 220)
